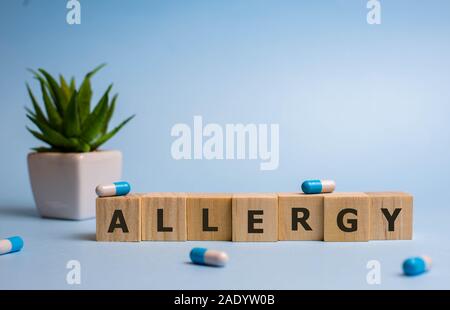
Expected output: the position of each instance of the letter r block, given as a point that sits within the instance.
(391, 216)
(164, 217)
(300, 216)
(209, 217)
(118, 218)
(255, 217)
(346, 217)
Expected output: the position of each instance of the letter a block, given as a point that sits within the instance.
(164, 217)
(209, 216)
(119, 218)
(346, 217)
(300, 216)
(391, 216)
(255, 217)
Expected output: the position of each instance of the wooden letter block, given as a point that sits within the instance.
(118, 218)
(209, 216)
(300, 216)
(255, 217)
(391, 216)
(346, 217)
(164, 217)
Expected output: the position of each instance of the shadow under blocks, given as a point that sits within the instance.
(253, 217)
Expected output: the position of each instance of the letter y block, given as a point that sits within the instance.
(391, 216)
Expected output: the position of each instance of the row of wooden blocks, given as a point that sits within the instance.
(255, 217)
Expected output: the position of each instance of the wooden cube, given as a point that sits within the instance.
(118, 218)
(300, 216)
(164, 217)
(255, 217)
(209, 216)
(346, 217)
(391, 216)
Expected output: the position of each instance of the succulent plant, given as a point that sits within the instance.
(69, 124)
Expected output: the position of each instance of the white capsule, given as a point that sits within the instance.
(10, 245)
(318, 186)
(116, 189)
(204, 256)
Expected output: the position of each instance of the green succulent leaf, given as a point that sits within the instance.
(54, 117)
(72, 85)
(39, 136)
(65, 89)
(68, 124)
(84, 99)
(53, 137)
(110, 134)
(43, 149)
(38, 111)
(85, 94)
(96, 69)
(71, 120)
(55, 92)
(96, 120)
(111, 109)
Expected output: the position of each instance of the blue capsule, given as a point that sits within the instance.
(10, 245)
(116, 189)
(414, 266)
(318, 186)
(202, 256)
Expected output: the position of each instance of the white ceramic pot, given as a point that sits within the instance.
(64, 184)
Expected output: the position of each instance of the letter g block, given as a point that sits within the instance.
(347, 217)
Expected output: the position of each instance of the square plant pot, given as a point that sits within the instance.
(64, 184)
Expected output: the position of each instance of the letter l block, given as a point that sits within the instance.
(164, 217)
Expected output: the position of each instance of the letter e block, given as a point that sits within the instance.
(164, 217)
(209, 216)
(255, 217)
(346, 217)
(118, 218)
(391, 216)
(300, 216)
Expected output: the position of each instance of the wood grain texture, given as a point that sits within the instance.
(398, 208)
(209, 216)
(118, 218)
(338, 208)
(309, 208)
(164, 217)
(261, 210)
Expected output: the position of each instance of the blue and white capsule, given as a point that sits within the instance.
(318, 186)
(202, 256)
(116, 189)
(10, 245)
(414, 266)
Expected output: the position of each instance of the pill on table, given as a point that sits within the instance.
(416, 265)
(204, 256)
(116, 189)
(10, 245)
(318, 186)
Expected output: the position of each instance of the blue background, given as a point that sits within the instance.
(365, 105)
